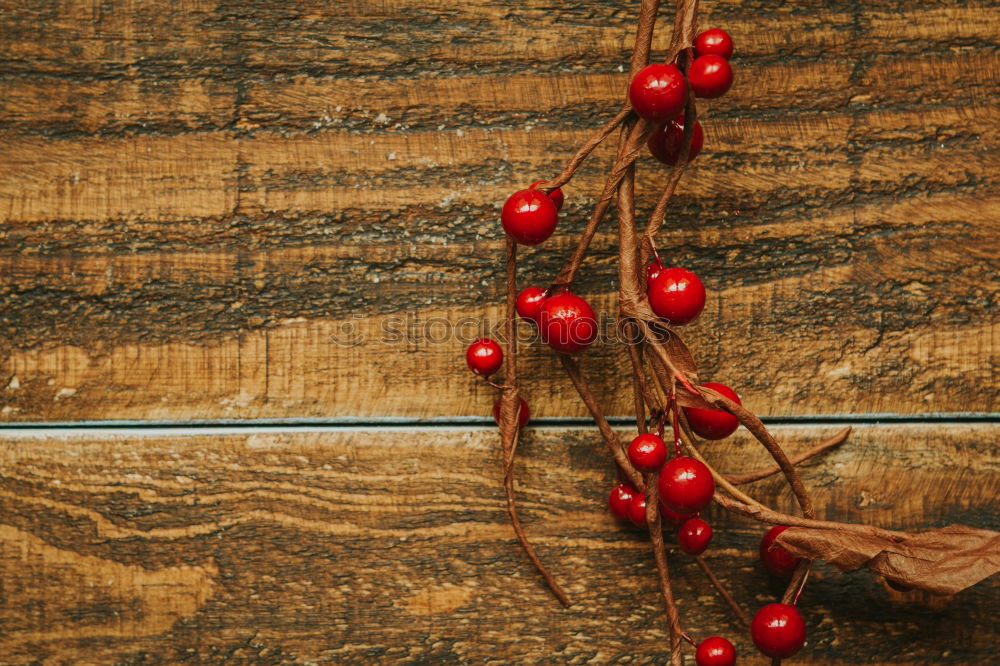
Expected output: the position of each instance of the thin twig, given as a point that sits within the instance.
(799, 458)
(593, 142)
(509, 431)
(720, 588)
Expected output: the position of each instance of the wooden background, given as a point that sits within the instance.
(258, 212)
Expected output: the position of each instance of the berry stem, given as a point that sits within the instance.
(720, 588)
(509, 430)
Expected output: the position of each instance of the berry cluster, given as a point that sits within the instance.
(662, 115)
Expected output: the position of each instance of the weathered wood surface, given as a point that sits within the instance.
(393, 546)
(198, 199)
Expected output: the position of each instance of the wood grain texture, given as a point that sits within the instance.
(393, 547)
(220, 209)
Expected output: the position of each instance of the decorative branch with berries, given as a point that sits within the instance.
(659, 485)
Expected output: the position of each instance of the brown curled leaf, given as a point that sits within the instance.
(941, 561)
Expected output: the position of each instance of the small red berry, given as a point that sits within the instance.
(658, 92)
(686, 485)
(566, 323)
(529, 217)
(776, 559)
(710, 76)
(647, 452)
(652, 271)
(529, 301)
(523, 413)
(484, 356)
(556, 195)
(677, 295)
(715, 651)
(714, 423)
(778, 630)
(665, 142)
(694, 536)
(672, 517)
(714, 42)
(637, 509)
(619, 499)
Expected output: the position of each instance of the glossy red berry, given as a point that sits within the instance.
(566, 323)
(710, 76)
(714, 42)
(637, 509)
(715, 651)
(658, 92)
(665, 142)
(647, 452)
(776, 559)
(529, 217)
(556, 195)
(484, 356)
(619, 499)
(677, 295)
(652, 270)
(668, 515)
(694, 536)
(714, 423)
(529, 301)
(686, 485)
(523, 413)
(778, 630)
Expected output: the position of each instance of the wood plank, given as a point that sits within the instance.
(354, 546)
(199, 201)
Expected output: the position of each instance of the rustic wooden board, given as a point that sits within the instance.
(201, 201)
(392, 546)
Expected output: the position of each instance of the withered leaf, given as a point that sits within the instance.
(942, 561)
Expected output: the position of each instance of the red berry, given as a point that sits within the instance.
(522, 415)
(484, 356)
(647, 452)
(714, 423)
(665, 143)
(652, 271)
(637, 509)
(686, 485)
(694, 536)
(715, 651)
(567, 323)
(714, 42)
(778, 630)
(619, 500)
(776, 559)
(677, 295)
(672, 517)
(556, 195)
(710, 76)
(529, 301)
(658, 92)
(529, 217)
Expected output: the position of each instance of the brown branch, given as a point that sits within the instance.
(509, 431)
(764, 472)
(720, 588)
(662, 568)
(763, 514)
(610, 436)
(628, 152)
(593, 142)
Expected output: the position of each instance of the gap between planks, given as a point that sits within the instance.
(349, 424)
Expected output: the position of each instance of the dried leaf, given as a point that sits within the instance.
(942, 561)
